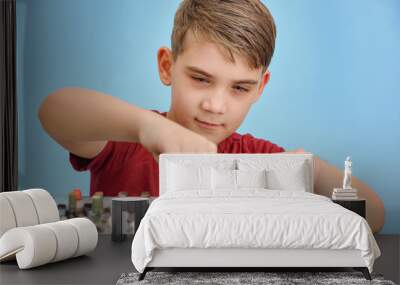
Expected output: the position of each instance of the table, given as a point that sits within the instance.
(357, 205)
(136, 205)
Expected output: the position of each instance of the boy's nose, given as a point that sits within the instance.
(215, 103)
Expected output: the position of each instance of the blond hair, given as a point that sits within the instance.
(245, 27)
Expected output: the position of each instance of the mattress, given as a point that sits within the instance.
(250, 218)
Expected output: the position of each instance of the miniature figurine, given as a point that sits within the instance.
(347, 174)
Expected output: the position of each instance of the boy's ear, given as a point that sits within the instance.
(264, 81)
(165, 61)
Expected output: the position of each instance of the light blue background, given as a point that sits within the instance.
(334, 88)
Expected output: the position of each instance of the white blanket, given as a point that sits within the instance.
(251, 218)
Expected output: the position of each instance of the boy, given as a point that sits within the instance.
(217, 68)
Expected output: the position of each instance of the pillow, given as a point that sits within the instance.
(223, 164)
(182, 177)
(235, 179)
(251, 178)
(223, 179)
(291, 178)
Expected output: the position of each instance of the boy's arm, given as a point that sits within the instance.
(328, 176)
(83, 120)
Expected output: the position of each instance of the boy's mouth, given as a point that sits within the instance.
(207, 124)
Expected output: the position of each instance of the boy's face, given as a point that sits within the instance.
(210, 94)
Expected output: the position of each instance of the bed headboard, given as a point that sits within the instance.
(233, 161)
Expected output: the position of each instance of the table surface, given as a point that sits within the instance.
(110, 259)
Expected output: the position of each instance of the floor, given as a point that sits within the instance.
(389, 262)
(111, 259)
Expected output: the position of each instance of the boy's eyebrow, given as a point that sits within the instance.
(242, 81)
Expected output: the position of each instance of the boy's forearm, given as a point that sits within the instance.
(328, 177)
(76, 114)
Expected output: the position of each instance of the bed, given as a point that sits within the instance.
(244, 211)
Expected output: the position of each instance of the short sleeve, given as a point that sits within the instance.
(113, 151)
(256, 145)
(111, 158)
(82, 164)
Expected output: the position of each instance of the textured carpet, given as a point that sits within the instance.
(285, 278)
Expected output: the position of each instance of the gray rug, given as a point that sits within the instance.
(229, 278)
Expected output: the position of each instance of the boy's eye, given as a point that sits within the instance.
(240, 89)
(200, 79)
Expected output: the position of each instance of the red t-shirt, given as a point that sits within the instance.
(129, 167)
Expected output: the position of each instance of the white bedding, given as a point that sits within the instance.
(250, 218)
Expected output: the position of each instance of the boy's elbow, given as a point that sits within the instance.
(49, 102)
(375, 208)
(379, 217)
(375, 212)
(48, 107)
(43, 109)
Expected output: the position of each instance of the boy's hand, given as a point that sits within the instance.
(160, 135)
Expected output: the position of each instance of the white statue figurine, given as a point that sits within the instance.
(347, 174)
